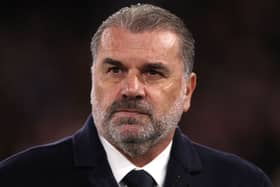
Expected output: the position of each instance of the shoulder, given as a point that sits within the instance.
(231, 166)
(210, 167)
(66, 162)
(38, 161)
(42, 153)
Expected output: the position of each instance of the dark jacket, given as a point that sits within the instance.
(80, 161)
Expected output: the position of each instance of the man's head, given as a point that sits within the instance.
(141, 78)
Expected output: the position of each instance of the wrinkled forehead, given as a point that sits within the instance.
(116, 37)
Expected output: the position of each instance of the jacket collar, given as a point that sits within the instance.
(184, 162)
(90, 155)
(184, 152)
(88, 150)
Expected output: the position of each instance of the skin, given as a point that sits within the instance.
(145, 66)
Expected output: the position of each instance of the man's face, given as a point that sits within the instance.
(138, 88)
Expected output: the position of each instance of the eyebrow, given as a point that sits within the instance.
(113, 62)
(150, 65)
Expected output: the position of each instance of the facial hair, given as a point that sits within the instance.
(150, 128)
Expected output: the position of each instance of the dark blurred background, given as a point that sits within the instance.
(45, 73)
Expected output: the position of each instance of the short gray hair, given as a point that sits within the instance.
(146, 17)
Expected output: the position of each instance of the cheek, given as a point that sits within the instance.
(105, 94)
(164, 96)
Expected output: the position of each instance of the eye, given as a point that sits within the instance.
(152, 72)
(114, 70)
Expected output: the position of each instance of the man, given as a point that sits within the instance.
(142, 82)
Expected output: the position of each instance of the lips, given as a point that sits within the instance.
(129, 113)
(136, 111)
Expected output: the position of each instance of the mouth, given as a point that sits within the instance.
(130, 113)
(133, 113)
(136, 111)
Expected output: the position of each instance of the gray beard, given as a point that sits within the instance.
(138, 145)
(152, 131)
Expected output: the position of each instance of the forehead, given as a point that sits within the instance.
(157, 42)
(113, 36)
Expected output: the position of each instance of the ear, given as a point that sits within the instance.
(92, 81)
(190, 87)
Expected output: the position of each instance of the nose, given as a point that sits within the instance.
(133, 86)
